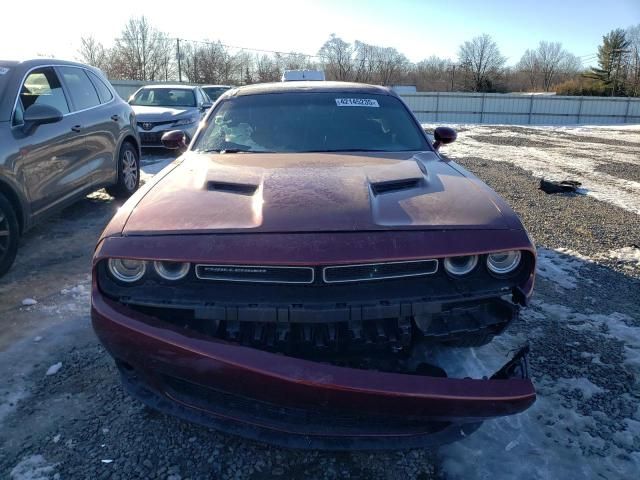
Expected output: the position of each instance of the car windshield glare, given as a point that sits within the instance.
(164, 97)
(311, 122)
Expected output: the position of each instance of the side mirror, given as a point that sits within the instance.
(174, 140)
(444, 136)
(39, 115)
(206, 106)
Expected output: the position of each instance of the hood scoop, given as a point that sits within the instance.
(232, 187)
(396, 185)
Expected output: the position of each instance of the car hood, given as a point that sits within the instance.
(316, 192)
(159, 114)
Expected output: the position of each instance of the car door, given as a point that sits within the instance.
(99, 130)
(47, 154)
(113, 117)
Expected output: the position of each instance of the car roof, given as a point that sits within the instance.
(185, 87)
(34, 62)
(217, 86)
(310, 86)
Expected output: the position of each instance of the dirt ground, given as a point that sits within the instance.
(583, 327)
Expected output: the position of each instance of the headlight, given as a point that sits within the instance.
(127, 270)
(172, 270)
(185, 121)
(502, 263)
(460, 265)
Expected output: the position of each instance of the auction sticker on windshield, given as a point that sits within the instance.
(356, 102)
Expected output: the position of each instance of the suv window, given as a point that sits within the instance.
(41, 87)
(103, 91)
(83, 93)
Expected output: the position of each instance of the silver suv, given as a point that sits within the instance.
(64, 132)
(163, 108)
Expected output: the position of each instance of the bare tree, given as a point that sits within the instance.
(92, 52)
(550, 56)
(143, 52)
(433, 74)
(633, 61)
(482, 61)
(530, 67)
(336, 56)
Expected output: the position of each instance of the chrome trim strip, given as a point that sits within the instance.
(386, 277)
(313, 273)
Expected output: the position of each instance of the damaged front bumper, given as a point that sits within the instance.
(294, 402)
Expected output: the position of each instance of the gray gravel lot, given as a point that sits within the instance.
(583, 326)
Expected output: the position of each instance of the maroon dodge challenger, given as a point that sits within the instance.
(287, 276)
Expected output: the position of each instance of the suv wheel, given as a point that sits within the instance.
(8, 235)
(128, 173)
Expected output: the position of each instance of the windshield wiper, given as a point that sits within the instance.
(227, 150)
(346, 150)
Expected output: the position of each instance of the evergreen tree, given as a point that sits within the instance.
(611, 62)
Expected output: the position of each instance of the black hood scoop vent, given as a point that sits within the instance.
(380, 188)
(229, 187)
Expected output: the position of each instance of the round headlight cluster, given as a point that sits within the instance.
(462, 265)
(502, 263)
(172, 270)
(130, 270)
(127, 270)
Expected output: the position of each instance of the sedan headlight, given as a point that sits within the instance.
(127, 270)
(185, 121)
(460, 265)
(502, 263)
(172, 270)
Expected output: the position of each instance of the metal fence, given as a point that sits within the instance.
(497, 108)
(516, 109)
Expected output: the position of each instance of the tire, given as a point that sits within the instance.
(9, 233)
(128, 172)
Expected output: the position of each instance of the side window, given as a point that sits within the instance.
(83, 93)
(103, 91)
(18, 114)
(42, 87)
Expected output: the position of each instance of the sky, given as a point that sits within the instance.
(416, 28)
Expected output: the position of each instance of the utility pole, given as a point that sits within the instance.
(179, 60)
(453, 75)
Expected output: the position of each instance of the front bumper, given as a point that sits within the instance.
(294, 402)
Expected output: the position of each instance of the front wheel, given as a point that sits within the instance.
(8, 235)
(128, 173)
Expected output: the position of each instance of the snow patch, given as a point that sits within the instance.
(626, 255)
(27, 302)
(583, 385)
(34, 467)
(53, 369)
(561, 266)
(562, 159)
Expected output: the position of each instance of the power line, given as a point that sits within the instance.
(262, 50)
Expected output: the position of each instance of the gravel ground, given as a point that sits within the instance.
(583, 326)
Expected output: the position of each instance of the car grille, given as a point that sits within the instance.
(255, 273)
(379, 271)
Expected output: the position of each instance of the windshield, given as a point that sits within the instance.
(311, 122)
(214, 92)
(164, 97)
